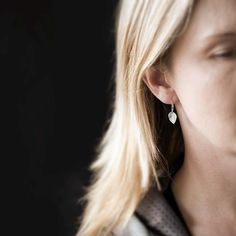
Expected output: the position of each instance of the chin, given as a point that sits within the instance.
(232, 146)
(228, 146)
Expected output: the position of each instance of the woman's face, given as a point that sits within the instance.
(203, 69)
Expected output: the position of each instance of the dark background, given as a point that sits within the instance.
(58, 58)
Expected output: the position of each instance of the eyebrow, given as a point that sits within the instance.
(212, 40)
(221, 35)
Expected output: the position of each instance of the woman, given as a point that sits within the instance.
(174, 114)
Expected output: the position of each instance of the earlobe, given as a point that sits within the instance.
(158, 85)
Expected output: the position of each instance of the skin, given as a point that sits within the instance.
(201, 82)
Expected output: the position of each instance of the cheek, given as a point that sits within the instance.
(208, 98)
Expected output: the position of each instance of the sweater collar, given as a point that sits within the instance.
(156, 213)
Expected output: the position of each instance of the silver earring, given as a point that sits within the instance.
(172, 116)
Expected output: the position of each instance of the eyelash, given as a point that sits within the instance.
(227, 54)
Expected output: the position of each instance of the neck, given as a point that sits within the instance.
(205, 185)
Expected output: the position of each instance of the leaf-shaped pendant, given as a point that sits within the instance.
(172, 117)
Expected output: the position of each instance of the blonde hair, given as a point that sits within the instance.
(139, 142)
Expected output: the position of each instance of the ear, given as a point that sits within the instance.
(156, 81)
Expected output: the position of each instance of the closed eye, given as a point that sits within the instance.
(227, 54)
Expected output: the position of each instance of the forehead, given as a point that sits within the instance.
(209, 18)
(212, 17)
